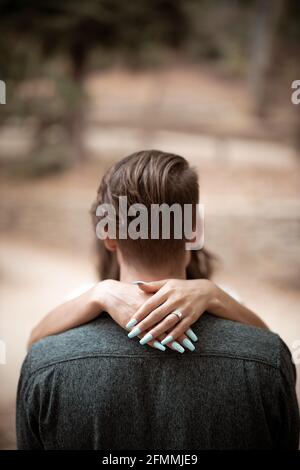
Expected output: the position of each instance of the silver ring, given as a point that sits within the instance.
(178, 314)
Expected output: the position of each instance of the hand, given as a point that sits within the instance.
(192, 298)
(119, 299)
(122, 300)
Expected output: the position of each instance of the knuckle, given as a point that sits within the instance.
(149, 306)
(171, 283)
(169, 322)
(144, 325)
(177, 299)
(139, 317)
(194, 317)
(160, 313)
(158, 330)
(156, 316)
(180, 331)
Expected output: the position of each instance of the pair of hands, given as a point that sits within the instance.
(146, 309)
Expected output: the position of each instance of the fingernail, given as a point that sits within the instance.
(138, 283)
(131, 323)
(159, 346)
(136, 331)
(191, 334)
(176, 346)
(148, 337)
(167, 340)
(188, 344)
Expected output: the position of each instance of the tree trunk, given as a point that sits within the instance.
(77, 122)
(262, 53)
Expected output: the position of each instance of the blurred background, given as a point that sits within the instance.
(88, 83)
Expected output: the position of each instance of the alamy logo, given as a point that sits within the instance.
(175, 221)
(295, 98)
(2, 92)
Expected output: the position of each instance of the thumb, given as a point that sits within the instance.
(150, 286)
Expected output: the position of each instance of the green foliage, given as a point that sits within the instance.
(75, 27)
(54, 40)
(34, 31)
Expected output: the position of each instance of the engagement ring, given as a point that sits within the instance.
(178, 314)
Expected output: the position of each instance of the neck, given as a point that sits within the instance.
(129, 273)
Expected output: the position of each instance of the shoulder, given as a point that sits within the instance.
(217, 338)
(232, 339)
(101, 337)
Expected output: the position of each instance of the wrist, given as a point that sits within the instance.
(100, 294)
(214, 299)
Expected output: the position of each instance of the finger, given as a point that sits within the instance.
(178, 331)
(186, 342)
(151, 304)
(174, 345)
(165, 325)
(192, 335)
(150, 286)
(160, 338)
(154, 344)
(157, 316)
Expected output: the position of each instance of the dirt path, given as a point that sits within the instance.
(34, 280)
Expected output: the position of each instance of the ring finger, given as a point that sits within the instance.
(165, 325)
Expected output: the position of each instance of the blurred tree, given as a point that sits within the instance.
(39, 33)
(275, 39)
(264, 35)
(73, 28)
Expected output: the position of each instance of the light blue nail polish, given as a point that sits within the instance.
(136, 283)
(167, 340)
(177, 347)
(148, 337)
(191, 334)
(131, 323)
(159, 346)
(136, 331)
(188, 344)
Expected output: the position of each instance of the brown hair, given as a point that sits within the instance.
(149, 177)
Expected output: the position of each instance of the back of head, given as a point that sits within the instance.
(154, 179)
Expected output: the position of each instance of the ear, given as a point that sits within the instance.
(188, 257)
(110, 245)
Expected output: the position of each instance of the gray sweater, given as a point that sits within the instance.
(93, 388)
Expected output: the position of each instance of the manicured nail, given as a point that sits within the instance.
(188, 344)
(136, 331)
(167, 340)
(159, 346)
(138, 283)
(131, 323)
(176, 346)
(191, 334)
(148, 337)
